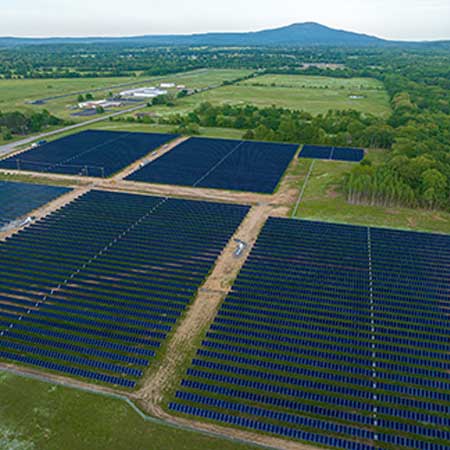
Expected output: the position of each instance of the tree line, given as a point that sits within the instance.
(18, 123)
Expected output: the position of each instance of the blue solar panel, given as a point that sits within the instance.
(18, 199)
(333, 153)
(324, 323)
(93, 289)
(220, 164)
(95, 153)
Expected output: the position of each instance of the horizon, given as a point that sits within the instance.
(402, 20)
(119, 36)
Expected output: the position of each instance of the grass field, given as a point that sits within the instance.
(14, 94)
(35, 415)
(323, 201)
(312, 94)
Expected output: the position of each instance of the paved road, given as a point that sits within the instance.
(8, 148)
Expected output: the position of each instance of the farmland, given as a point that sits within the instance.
(312, 94)
(14, 94)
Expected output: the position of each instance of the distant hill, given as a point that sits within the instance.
(299, 35)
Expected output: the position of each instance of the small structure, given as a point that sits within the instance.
(145, 92)
(167, 85)
(241, 246)
(99, 103)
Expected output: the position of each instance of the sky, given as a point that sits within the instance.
(390, 19)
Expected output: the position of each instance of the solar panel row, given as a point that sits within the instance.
(95, 153)
(333, 153)
(311, 344)
(220, 164)
(93, 289)
(18, 199)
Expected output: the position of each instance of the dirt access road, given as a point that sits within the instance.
(162, 379)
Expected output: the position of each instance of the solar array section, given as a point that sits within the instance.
(93, 289)
(335, 335)
(18, 199)
(220, 164)
(94, 153)
(333, 153)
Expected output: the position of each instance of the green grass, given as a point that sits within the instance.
(35, 415)
(312, 94)
(324, 201)
(14, 94)
(25, 178)
(226, 133)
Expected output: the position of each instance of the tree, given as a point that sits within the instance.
(7, 135)
(80, 98)
(249, 135)
(434, 188)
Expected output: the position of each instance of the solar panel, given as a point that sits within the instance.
(220, 164)
(96, 286)
(333, 153)
(18, 199)
(95, 153)
(311, 338)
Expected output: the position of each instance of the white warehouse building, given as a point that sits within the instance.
(145, 92)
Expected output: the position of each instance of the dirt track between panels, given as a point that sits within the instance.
(165, 376)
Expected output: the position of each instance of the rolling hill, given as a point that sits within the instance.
(300, 35)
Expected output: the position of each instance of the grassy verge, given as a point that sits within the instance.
(23, 178)
(324, 201)
(35, 415)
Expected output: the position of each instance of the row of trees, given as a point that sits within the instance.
(339, 128)
(18, 123)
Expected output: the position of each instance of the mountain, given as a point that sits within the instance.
(299, 35)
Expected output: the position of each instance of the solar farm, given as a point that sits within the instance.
(224, 313)
(333, 153)
(221, 164)
(332, 334)
(94, 153)
(19, 199)
(93, 289)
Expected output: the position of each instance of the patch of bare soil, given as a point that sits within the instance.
(392, 212)
(412, 222)
(332, 193)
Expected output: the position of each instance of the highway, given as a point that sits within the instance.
(8, 148)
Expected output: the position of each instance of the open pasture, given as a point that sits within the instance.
(77, 420)
(19, 94)
(333, 335)
(324, 200)
(220, 164)
(315, 95)
(93, 289)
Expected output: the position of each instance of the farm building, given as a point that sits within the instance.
(145, 92)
